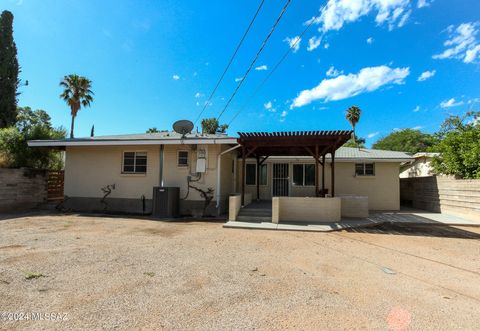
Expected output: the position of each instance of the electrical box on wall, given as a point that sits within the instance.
(201, 159)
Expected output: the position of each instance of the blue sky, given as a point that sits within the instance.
(154, 62)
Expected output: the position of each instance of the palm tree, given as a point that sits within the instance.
(77, 93)
(353, 116)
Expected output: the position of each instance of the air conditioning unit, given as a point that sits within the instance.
(166, 202)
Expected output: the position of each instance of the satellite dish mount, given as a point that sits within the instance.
(183, 127)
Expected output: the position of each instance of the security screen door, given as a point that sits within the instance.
(280, 180)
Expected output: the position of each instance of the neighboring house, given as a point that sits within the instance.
(137, 163)
(421, 166)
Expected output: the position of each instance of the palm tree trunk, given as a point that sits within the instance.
(353, 135)
(72, 126)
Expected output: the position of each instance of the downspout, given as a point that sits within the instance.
(160, 170)
(219, 164)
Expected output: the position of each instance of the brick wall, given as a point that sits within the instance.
(442, 194)
(22, 189)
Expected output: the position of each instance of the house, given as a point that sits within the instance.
(195, 162)
(421, 166)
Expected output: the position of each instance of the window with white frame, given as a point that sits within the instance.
(134, 162)
(304, 174)
(251, 174)
(365, 169)
(182, 159)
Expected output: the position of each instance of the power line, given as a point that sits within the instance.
(255, 59)
(231, 60)
(259, 87)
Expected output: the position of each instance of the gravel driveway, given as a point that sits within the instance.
(124, 273)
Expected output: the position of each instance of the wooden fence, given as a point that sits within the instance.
(442, 194)
(55, 182)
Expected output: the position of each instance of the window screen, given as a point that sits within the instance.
(309, 174)
(183, 158)
(298, 174)
(135, 162)
(263, 174)
(365, 169)
(250, 174)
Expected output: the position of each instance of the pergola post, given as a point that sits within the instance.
(333, 173)
(258, 177)
(243, 174)
(316, 171)
(323, 175)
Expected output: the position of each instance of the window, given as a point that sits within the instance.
(182, 159)
(304, 174)
(251, 174)
(134, 162)
(365, 169)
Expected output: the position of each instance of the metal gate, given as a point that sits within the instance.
(280, 180)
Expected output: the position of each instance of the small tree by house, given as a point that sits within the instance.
(77, 93)
(211, 126)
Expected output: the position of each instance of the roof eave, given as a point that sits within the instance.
(113, 142)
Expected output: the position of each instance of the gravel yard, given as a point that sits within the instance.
(125, 273)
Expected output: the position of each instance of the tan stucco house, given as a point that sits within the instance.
(420, 166)
(137, 163)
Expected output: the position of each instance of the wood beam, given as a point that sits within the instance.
(316, 170)
(244, 156)
(333, 173)
(258, 177)
(323, 175)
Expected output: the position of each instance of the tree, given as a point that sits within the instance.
(152, 130)
(211, 126)
(353, 116)
(407, 140)
(9, 70)
(459, 146)
(359, 143)
(77, 93)
(30, 125)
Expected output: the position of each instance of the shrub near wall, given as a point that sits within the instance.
(22, 189)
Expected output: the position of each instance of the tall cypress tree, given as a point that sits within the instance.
(9, 70)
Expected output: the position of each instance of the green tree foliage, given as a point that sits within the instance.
(459, 146)
(76, 93)
(211, 126)
(153, 130)
(9, 70)
(407, 140)
(353, 117)
(359, 142)
(30, 125)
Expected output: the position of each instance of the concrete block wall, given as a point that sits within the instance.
(22, 189)
(442, 194)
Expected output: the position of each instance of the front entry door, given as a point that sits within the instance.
(280, 180)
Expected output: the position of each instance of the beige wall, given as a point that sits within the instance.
(421, 167)
(88, 169)
(303, 209)
(383, 189)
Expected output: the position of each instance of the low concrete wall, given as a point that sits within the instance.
(354, 206)
(22, 189)
(442, 194)
(309, 210)
(235, 203)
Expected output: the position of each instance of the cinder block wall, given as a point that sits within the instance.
(442, 194)
(22, 189)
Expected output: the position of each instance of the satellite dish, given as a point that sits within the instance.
(183, 127)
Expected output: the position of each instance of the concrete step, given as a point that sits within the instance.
(243, 218)
(255, 212)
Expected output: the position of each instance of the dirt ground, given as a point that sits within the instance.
(121, 273)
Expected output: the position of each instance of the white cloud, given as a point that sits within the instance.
(238, 79)
(294, 43)
(332, 72)
(450, 103)
(262, 67)
(336, 13)
(176, 77)
(370, 40)
(416, 109)
(462, 43)
(284, 113)
(418, 127)
(269, 106)
(326, 46)
(198, 95)
(313, 43)
(345, 86)
(373, 134)
(426, 75)
(422, 3)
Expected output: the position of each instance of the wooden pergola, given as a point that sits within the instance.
(316, 144)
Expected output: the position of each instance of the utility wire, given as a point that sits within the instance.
(285, 55)
(231, 60)
(255, 59)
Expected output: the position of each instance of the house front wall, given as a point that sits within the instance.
(89, 169)
(382, 189)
